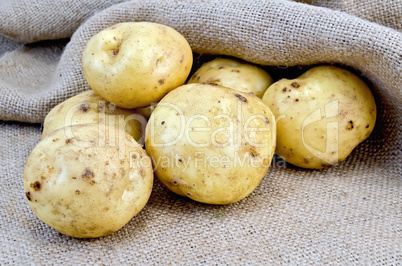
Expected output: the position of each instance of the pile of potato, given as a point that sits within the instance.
(210, 137)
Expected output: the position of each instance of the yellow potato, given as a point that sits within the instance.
(213, 149)
(134, 64)
(87, 108)
(233, 74)
(87, 181)
(321, 116)
(146, 111)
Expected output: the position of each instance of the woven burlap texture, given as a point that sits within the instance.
(347, 214)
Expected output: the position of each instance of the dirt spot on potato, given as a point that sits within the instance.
(253, 153)
(142, 172)
(116, 51)
(84, 107)
(284, 89)
(36, 186)
(68, 141)
(235, 70)
(88, 173)
(161, 81)
(350, 125)
(295, 85)
(251, 150)
(241, 98)
(28, 195)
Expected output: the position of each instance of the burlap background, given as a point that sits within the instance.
(348, 214)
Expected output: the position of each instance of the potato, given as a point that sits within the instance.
(87, 108)
(87, 181)
(233, 74)
(321, 116)
(213, 149)
(146, 111)
(134, 64)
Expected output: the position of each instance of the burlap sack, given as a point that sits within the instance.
(347, 214)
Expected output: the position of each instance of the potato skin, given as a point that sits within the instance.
(90, 108)
(134, 64)
(86, 183)
(321, 116)
(233, 74)
(215, 149)
(146, 111)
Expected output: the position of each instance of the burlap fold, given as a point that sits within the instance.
(346, 214)
(267, 33)
(387, 13)
(31, 21)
